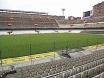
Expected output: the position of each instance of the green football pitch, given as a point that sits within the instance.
(20, 45)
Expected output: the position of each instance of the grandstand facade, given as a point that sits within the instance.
(98, 9)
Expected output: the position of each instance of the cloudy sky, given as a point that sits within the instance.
(53, 7)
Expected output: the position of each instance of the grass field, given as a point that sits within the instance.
(19, 45)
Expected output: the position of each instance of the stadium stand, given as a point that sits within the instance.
(58, 17)
(76, 22)
(77, 25)
(64, 26)
(88, 66)
(94, 25)
(84, 67)
(93, 31)
(62, 21)
(26, 19)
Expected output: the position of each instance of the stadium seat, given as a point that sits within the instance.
(37, 76)
(77, 76)
(45, 74)
(59, 75)
(67, 74)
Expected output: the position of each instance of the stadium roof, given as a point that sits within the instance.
(20, 11)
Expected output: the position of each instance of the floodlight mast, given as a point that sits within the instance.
(63, 9)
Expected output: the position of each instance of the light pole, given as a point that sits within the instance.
(63, 11)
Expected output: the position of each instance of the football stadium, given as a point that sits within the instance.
(39, 45)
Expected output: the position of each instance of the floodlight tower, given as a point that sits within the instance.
(63, 9)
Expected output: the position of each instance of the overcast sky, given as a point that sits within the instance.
(53, 7)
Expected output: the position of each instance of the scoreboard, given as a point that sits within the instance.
(87, 14)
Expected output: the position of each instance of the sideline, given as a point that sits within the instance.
(27, 58)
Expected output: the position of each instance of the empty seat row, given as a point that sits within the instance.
(76, 65)
(23, 21)
(99, 76)
(69, 74)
